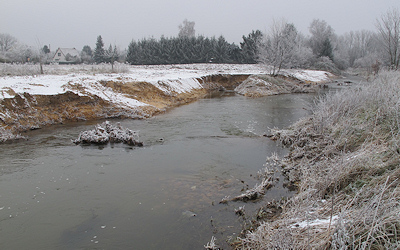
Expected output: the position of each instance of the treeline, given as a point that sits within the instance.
(183, 50)
(283, 46)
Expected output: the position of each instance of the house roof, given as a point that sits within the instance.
(71, 51)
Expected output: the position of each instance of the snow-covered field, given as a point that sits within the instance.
(168, 78)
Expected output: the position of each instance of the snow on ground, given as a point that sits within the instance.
(309, 75)
(168, 78)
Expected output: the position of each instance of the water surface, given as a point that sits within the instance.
(56, 195)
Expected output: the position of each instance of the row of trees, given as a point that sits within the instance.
(182, 49)
(283, 46)
(185, 48)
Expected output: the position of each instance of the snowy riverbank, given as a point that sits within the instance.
(76, 93)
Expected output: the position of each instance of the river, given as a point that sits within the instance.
(57, 195)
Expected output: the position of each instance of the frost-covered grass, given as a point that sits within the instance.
(345, 160)
(30, 69)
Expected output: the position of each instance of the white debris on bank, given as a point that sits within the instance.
(317, 222)
(212, 245)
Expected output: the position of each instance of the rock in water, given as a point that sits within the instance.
(106, 132)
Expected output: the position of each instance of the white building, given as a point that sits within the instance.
(66, 56)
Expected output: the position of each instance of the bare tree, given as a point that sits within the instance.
(353, 46)
(7, 42)
(279, 46)
(389, 33)
(186, 29)
(20, 53)
(41, 55)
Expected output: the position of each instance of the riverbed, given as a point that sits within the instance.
(165, 195)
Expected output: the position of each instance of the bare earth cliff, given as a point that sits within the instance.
(32, 102)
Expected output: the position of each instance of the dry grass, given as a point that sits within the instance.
(345, 161)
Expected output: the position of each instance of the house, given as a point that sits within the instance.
(66, 56)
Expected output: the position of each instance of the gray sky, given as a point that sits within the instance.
(75, 23)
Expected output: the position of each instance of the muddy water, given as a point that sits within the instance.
(56, 195)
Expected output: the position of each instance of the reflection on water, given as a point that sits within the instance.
(56, 195)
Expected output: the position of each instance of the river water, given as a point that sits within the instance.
(57, 195)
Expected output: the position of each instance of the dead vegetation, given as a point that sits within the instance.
(344, 160)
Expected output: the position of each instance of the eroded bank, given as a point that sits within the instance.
(31, 103)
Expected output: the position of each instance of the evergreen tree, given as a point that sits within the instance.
(111, 56)
(87, 54)
(234, 53)
(326, 49)
(321, 38)
(221, 50)
(132, 55)
(87, 50)
(46, 49)
(179, 50)
(99, 52)
(250, 45)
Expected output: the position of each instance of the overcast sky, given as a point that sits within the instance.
(75, 23)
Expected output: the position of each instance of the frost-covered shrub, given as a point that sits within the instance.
(326, 64)
(29, 69)
(19, 69)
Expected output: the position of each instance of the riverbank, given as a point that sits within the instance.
(32, 102)
(345, 162)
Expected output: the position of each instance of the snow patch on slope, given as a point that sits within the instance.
(309, 75)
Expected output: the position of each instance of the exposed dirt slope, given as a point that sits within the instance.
(121, 98)
(27, 112)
